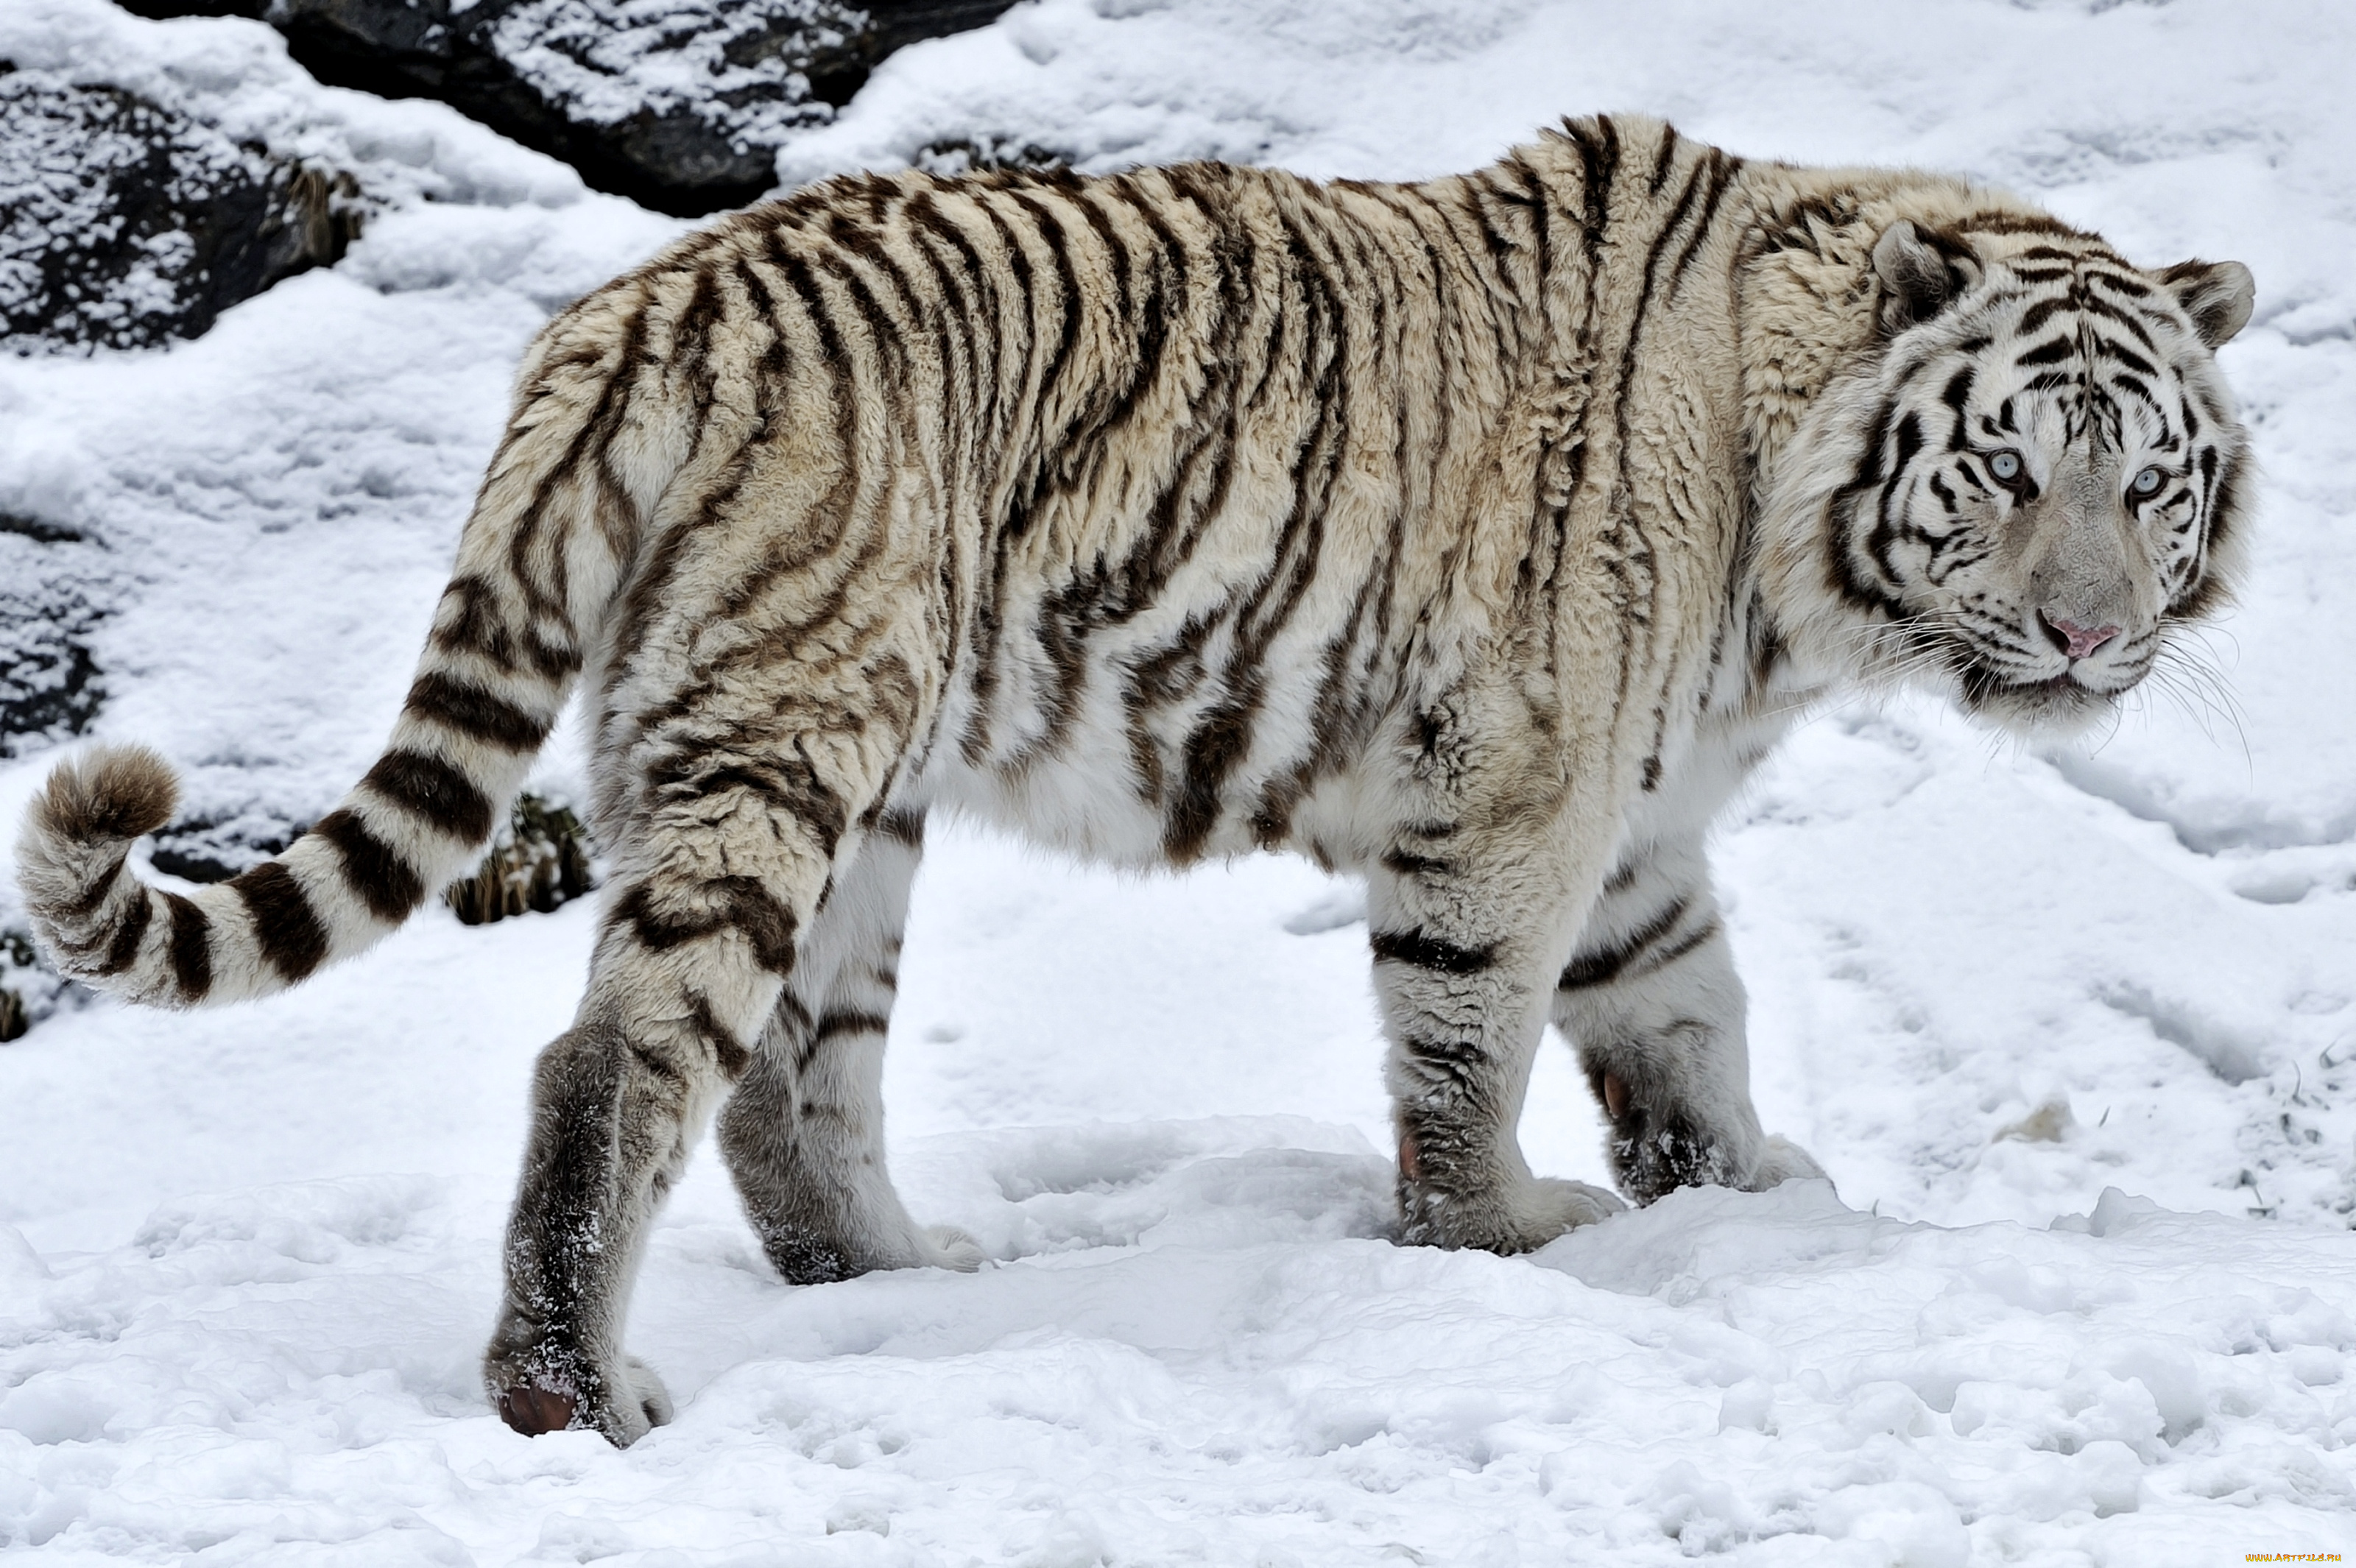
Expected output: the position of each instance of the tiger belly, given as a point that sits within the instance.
(1132, 769)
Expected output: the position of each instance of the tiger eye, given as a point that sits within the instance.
(2149, 482)
(2005, 465)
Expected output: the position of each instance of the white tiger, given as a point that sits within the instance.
(1476, 535)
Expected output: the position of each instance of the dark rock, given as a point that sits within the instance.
(679, 105)
(29, 989)
(124, 224)
(899, 22)
(54, 587)
(214, 850)
(965, 155)
(539, 862)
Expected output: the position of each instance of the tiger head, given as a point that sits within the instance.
(2028, 479)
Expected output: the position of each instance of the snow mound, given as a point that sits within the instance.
(1772, 1376)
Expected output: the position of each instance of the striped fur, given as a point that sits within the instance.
(1477, 536)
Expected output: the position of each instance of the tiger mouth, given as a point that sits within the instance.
(1986, 689)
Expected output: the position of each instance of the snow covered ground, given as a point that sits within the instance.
(2075, 1033)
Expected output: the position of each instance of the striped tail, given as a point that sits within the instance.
(538, 566)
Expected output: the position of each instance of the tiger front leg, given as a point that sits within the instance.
(681, 978)
(1462, 972)
(1651, 1002)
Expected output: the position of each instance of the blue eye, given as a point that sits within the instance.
(2005, 466)
(2148, 483)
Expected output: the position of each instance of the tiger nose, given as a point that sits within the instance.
(2078, 642)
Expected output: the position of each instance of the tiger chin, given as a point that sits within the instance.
(1476, 537)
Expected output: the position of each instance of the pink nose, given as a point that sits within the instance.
(2072, 638)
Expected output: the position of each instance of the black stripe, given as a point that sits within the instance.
(1662, 162)
(1146, 323)
(2037, 315)
(989, 616)
(1223, 738)
(1722, 169)
(726, 1049)
(1841, 559)
(434, 792)
(655, 1063)
(1632, 562)
(590, 436)
(124, 950)
(1678, 949)
(1599, 164)
(1460, 1051)
(2128, 357)
(284, 924)
(903, 827)
(1499, 244)
(2052, 351)
(793, 787)
(1589, 969)
(1886, 528)
(473, 712)
(833, 1024)
(2022, 223)
(372, 869)
(797, 1017)
(2096, 305)
(984, 314)
(191, 948)
(476, 626)
(692, 336)
(94, 891)
(1424, 951)
(730, 903)
(1070, 302)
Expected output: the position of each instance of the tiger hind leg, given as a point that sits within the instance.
(803, 1130)
(1652, 1001)
(700, 930)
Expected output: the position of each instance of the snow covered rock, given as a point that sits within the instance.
(123, 223)
(51, 590)
(29, 992)
(539, 861)
(679, 104)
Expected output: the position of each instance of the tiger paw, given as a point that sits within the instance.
(535, 1412)
(952, 1249)
(1554, 1206)
(1522, 1220)
(624, 1406)
(1782, 1160)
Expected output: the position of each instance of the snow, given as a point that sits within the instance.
(66, 152)
(2073, 1031)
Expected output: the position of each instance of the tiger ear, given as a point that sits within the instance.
(1921, 275)
(2217, 295)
